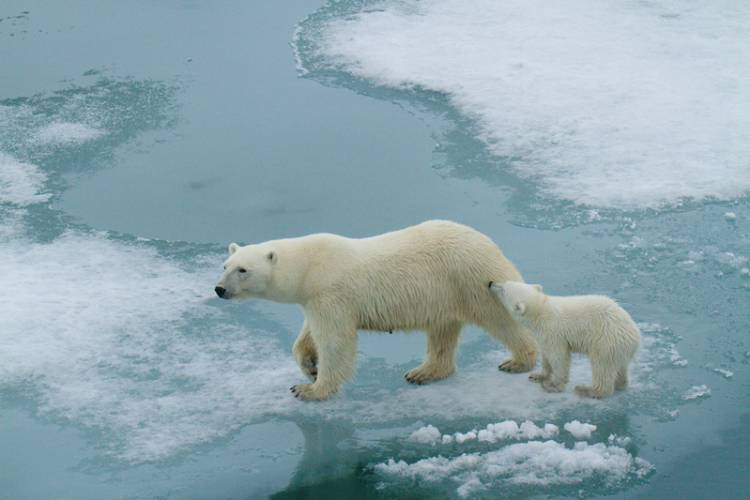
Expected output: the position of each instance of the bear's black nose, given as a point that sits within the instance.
(220, 290)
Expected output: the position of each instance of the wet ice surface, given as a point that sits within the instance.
(113, 348)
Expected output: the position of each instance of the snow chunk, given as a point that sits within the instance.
(66, 133)
(724, 373)
(21, 183)
(580, 430)
(532, 463)
(427, 435)
(676, 358)
(621, 441)
(730, 216)
(697, 391)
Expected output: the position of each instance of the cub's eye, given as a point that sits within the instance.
(242, 270)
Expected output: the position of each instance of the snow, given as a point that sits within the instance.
(21, 183)
(724, 372)
(66, 133)
(544, 463)
(579, 430)
(696, 392)
(428, 434)
(595, 101)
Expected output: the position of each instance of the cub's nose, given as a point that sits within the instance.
(220, 291)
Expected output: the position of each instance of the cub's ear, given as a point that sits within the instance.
(538, 288)
(520, 308)
(271, 256)
(233, 247)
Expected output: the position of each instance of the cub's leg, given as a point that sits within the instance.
(603, 379)
(441, 355)
(544, 374)
(558, 355)
(336, 343)
(518, 339)
(305, 353)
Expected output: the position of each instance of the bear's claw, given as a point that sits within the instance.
(421, 375)
(513, 366)
(538, 377)
(306, 392)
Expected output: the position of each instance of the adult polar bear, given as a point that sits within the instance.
(432, 277)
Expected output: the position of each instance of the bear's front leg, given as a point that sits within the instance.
(305, 352)
(337, 352)
(544, 374)
(558, 356)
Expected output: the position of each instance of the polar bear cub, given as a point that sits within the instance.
(589, 324)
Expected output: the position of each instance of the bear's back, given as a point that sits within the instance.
(434, 271)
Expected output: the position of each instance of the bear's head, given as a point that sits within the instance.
(248, 272)
(520, 299)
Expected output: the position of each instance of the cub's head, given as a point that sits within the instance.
(247, 272)
(520, 299)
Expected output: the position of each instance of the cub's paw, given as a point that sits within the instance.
(550, 386)
(425, 374)
(513, 366)
(538, 377)
(307, 392)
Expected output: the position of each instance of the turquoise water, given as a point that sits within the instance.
(137, 140)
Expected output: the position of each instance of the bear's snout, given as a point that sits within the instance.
(220, 291)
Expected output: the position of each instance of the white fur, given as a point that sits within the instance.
(589, 324)
(433, 276)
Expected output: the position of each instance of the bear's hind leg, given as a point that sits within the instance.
(603, 380)
(441, 355)
(522, 346)
(305, 352)
(337, 352)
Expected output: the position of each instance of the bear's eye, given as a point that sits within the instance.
(242, 270)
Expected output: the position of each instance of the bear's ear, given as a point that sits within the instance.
(538, 288)
(520, 308)
(233, 247)
(271, 256)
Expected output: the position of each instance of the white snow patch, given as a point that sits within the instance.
(492, 433)
(730, 216)
(510, 430)
(116, 338)
(532, 463)
(428, 435)
(66, 133)
(21, 183)
(697, 391)
(597, 101)
(676, 358)
(580, 430)
(621, 441)
(724, 372)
